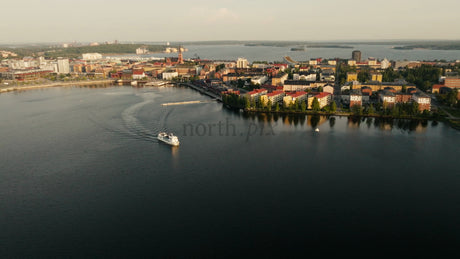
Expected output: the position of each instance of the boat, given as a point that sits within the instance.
(317, 130)
(168, 138)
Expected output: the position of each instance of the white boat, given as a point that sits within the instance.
(317, 130)
(168, 138)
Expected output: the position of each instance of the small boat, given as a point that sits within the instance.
(317, 130)
(168, 138)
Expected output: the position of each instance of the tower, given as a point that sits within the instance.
(356, 55)
(180, 59)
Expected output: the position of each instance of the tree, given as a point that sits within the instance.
(333, 106)
(269, 105)
(296, 105)
(371, 109)
(315, 105)
(320, 89)
(247, 103)
(277, 107)
(303, 106)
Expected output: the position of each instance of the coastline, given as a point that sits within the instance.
(56, 84)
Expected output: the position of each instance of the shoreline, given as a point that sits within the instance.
(56, 84)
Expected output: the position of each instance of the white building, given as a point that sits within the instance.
(259, 79)
(63, 66)
(169, 75)
(91, 56)
(385, 64)
(242, 63)
(141, 51)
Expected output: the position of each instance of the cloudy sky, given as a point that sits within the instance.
(197, 20)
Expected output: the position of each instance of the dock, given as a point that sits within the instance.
(204, 91)
(184, 103)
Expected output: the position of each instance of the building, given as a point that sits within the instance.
(279, 79)
(293, 85)
(452, 82)
(385, 64)
(242, 63)
(142, 51)
(352, 76)
(63, 66)
(170, 75)
(328, 89)
(376, 77)
(323, 98)
(388, 99)
(403, 97)
(138, 74)
(291, 98)
(274, 97)
(256, 93)
(423, 100)
(259, 80)
(91, 56)
(356, 98)
(356, 55)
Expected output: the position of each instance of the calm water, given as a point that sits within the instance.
(259, 53)
(82, 175)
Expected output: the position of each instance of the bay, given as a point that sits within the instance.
(273, 54)
(82, 175)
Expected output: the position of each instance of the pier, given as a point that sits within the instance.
(203, 91)
(184, 103)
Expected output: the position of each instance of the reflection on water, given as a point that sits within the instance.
(314, 121)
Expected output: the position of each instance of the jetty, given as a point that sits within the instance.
(184, 103)
(204, 91)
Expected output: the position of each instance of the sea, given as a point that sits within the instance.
(276, 54)
(82, 175)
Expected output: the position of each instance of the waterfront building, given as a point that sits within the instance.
(291, 98)
(256, 93)
(323, 98)
(63, 66)
(403, 97)
(356, 55)
(274, 97)
(170, 75)
(356, 98)
(351, 63)
(388, 99)
(138, 74)
(423, 100)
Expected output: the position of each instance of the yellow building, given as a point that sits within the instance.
(352, 76)
(279, 80)
(376, 77)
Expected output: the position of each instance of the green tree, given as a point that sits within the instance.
(371, 109)
(315, 105)
(277, 107)
(303, 106)
(333, 106)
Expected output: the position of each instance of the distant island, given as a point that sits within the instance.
(444, 45)
(77, 51)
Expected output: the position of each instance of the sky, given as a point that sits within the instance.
(204, 20)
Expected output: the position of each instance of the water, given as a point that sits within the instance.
(264, 53)
(83, 175)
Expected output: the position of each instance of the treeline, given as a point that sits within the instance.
(75, 52)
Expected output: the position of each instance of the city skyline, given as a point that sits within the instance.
(202, 20)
